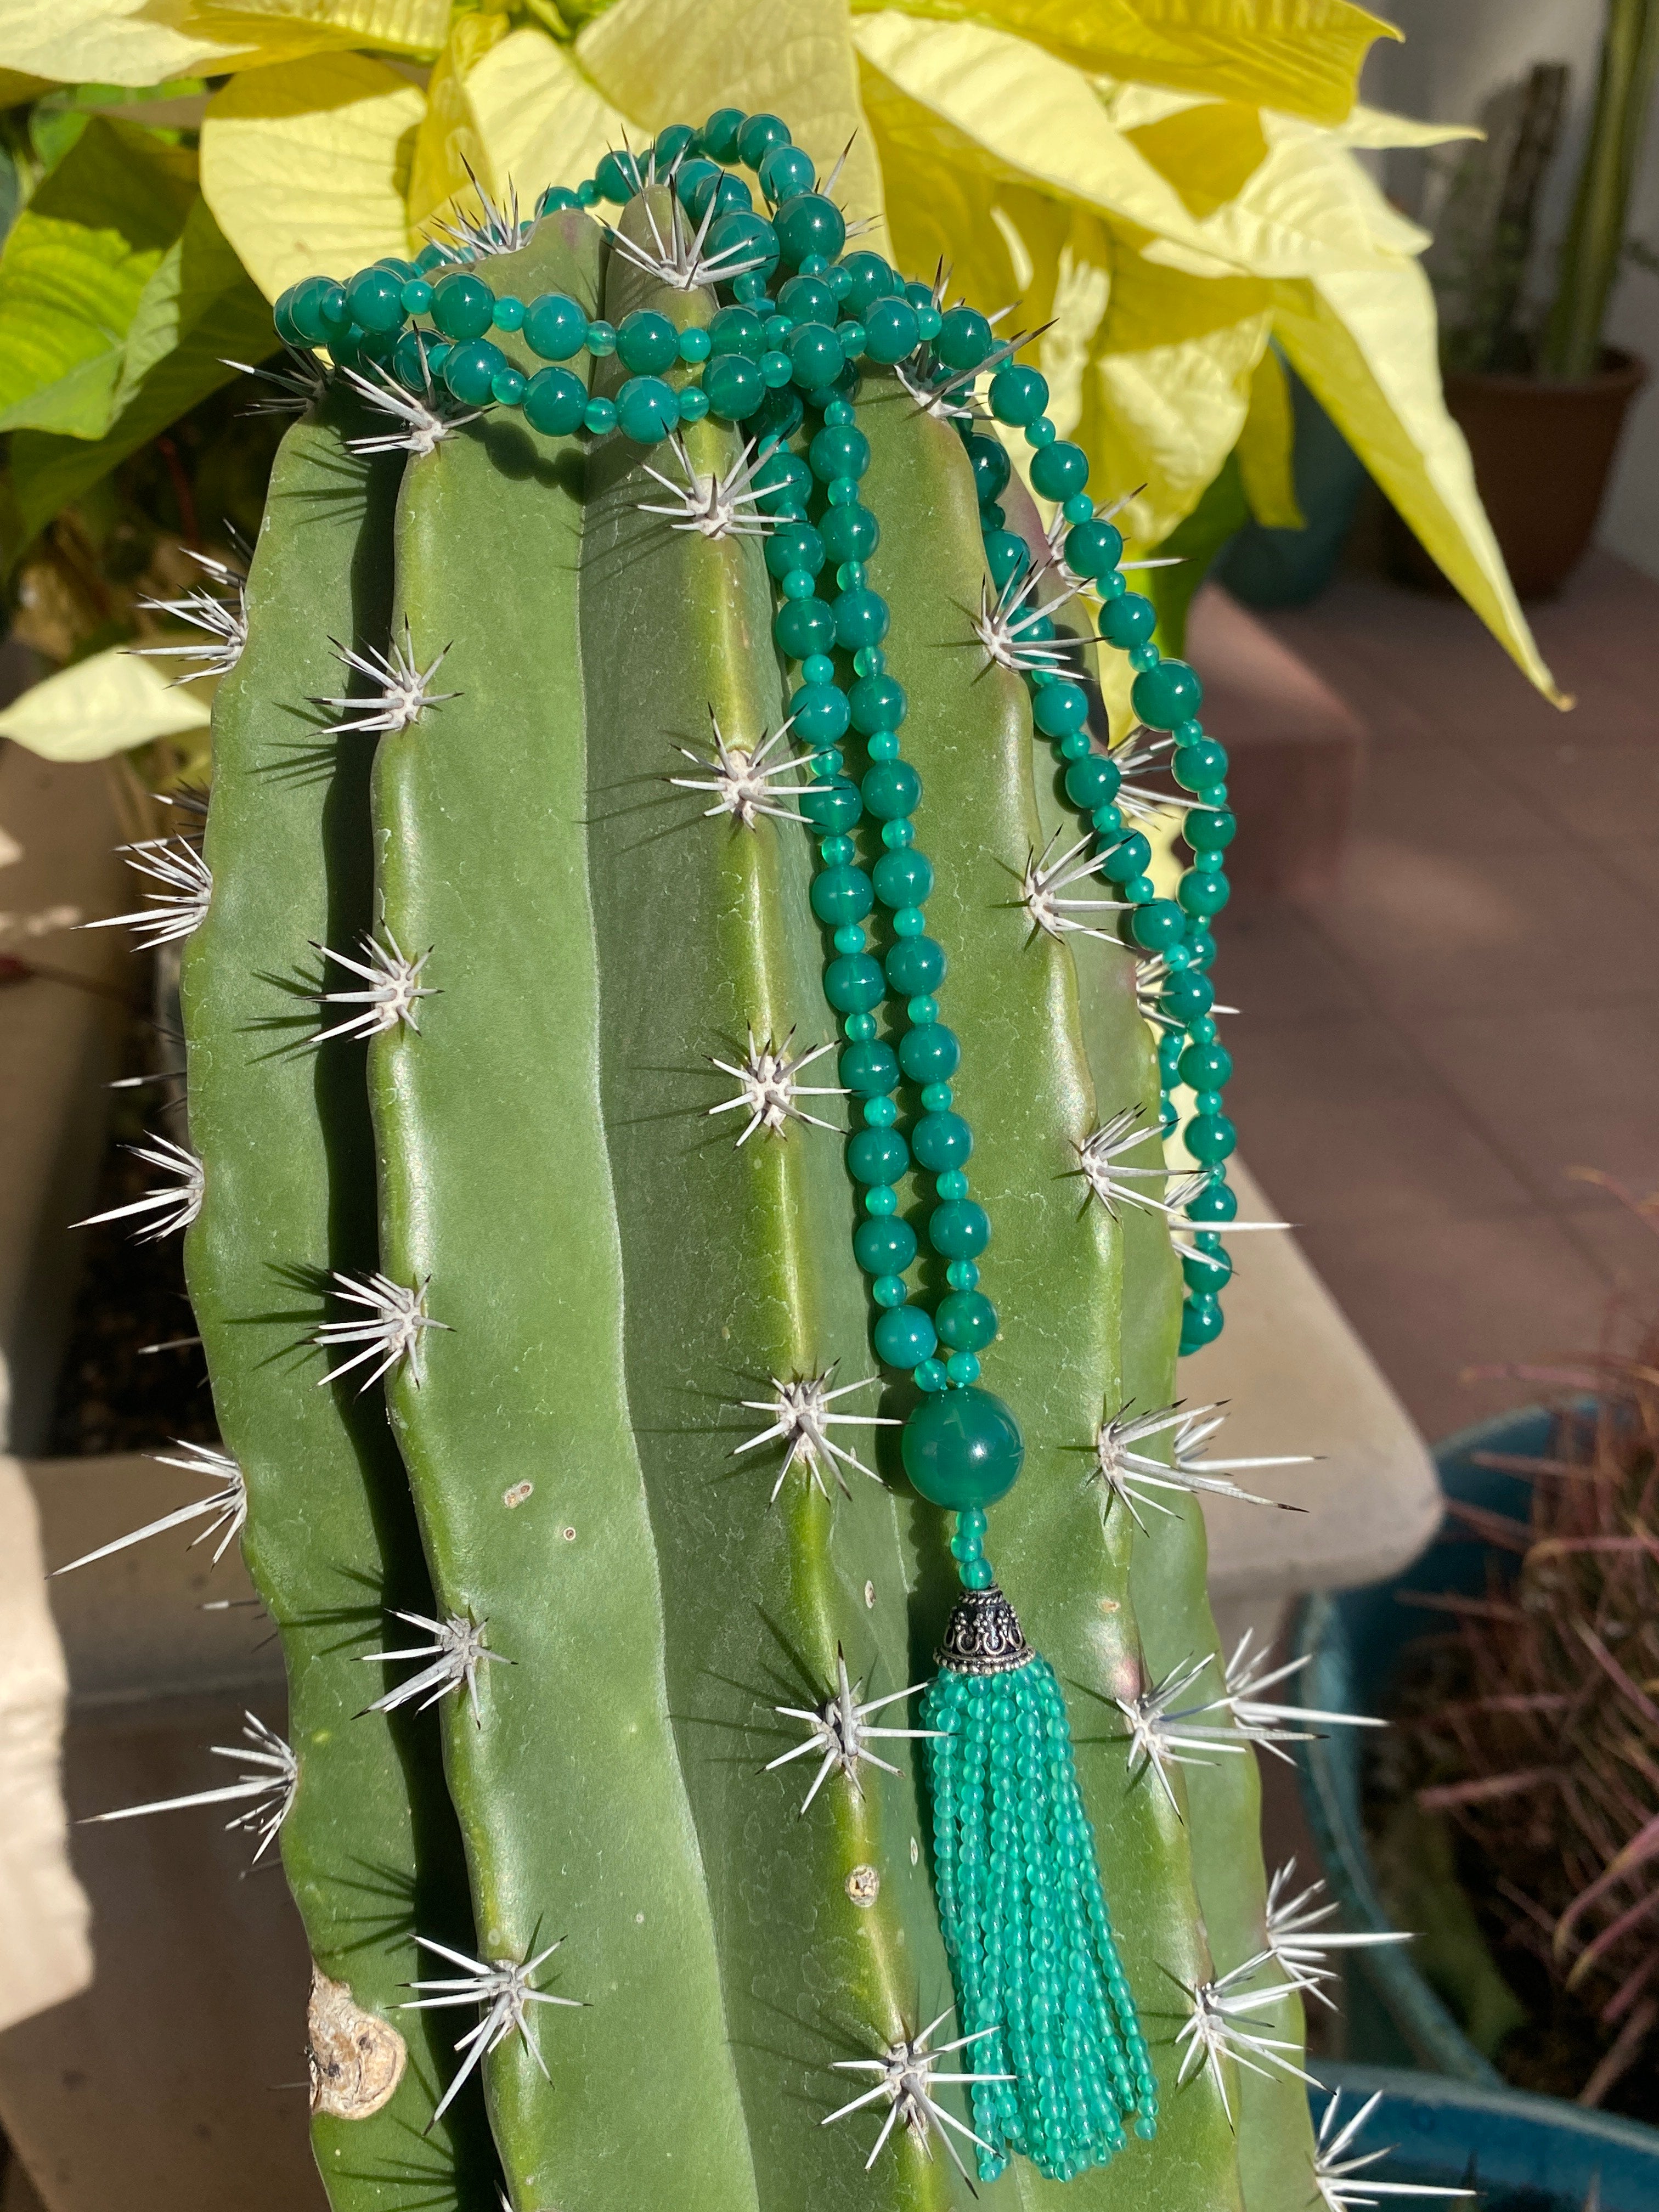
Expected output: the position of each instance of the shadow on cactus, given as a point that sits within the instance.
(734, 1143)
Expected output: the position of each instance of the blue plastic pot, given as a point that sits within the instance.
(1522, 2154)
(1354, 1640)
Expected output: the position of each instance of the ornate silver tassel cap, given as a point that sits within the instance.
(984, 1636)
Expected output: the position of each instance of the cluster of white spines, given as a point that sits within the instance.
(269, 1789)
(400, 691)
(801, 1416)
(422, 420)
(391, 1329)
(1123, 1469)
(839, 1732)
(723, 504)
(179, 907)
(908, 2075)
(768, 1086)
(457, 1651)
(221, 615)
(394, 991)
(1044, 889)
(224, 1508)
(745, 779)
(171, 1205)
(504, 1988)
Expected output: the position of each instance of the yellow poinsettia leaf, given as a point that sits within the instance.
(1209, 153)
(1167, 389)
(105, 704)
(449, 140)
(1302, 55)
(146, 42)
(305, 166)
(1018, 113)
(947, 203)
(666, 61)
(1364, 344)
(539, 117)
(1267, 448)
(410, 27)
(1376, 129)
(102, 42)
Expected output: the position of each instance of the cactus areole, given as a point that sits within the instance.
(676, 1091)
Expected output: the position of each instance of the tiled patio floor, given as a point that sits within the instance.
(1423, 1058)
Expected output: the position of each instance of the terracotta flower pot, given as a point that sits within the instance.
(1543, 452)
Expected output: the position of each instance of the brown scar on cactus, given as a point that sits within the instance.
(356, 2059)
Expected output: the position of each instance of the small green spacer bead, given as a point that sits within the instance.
(508, 313)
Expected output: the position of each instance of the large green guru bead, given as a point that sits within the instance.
(962, 1447)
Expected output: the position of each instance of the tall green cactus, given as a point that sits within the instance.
(722, 1856)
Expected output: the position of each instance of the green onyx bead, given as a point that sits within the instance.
(902, 877)
(470, 370)
(1059, 709)
(1158, 925)
(735, 385)
(462, 306)
(862, 619)
(966, 1320)
(646, 410)
(959, 1230)
(870, 1071)
(940, 1140)
(1127, 622)
(964, 338)
(877, 1158)
(375, 298)
(1209, 1138)
(915, 963)
(892, 331)
(784, 172)
(646, 343)
(892, 789)
(1019, 395)
(1167, 694)
(841, 895)
(814, 356)
(1058, 470)
(883, 1247)
(1202, 894)
(904, 1337)
(988, 458)
(808, 223)
(803, 627)
(747, 239)
(849, 533)
(931, 1052)
(963, 1448)
(853, 982)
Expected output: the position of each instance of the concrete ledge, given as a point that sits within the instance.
(1296, 1378)
(133, 1627)
(1296, 748)
(62, 1036)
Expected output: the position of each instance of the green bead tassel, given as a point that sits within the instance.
(1061, 2066)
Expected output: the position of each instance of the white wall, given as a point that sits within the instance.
(1458, 52)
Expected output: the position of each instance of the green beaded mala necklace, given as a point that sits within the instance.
(1061, 2066)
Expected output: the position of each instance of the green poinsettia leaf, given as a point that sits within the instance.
(199, 311)
(74, 272)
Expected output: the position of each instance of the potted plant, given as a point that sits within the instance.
(1542, 400)
(1512, 1816)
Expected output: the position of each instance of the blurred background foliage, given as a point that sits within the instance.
(1170, 190)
